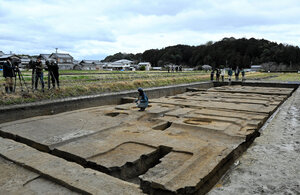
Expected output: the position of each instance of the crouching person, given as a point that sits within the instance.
(142, 101)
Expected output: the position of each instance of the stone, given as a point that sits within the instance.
(180, 144)
(69, 174)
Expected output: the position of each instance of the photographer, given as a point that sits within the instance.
(8, 74)
(32, 66)
(53, 73)
(39, 74)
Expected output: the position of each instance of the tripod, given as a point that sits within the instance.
(51, 74)
(21, 80)
(33, 78)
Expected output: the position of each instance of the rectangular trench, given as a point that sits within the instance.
(134, 171)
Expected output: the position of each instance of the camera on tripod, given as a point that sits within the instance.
(18, 75)
(15, 65)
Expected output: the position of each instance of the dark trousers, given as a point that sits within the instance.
(55, 77)
(39, 75)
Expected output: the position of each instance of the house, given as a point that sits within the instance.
(2, 53)
(118, 65)
(124, 61)
(255, 68)
(188, 69)
(206, 67)
(91, 65)
(156, 68)
(44, 56)
(25, 59)
(11, 56)
(64, 60)
(146, 64)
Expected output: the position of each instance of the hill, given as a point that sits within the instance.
(228, 52)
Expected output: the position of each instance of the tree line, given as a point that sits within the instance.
(229, 52)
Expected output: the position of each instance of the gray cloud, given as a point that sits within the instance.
(93, 29)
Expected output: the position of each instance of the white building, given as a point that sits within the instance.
(91, 65)
(146, 64)
(24, 61)
(255, 68)
(157, 68)
(118, 65)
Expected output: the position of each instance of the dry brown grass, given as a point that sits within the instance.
(79, 87)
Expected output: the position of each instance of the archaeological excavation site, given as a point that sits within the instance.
(183, 143)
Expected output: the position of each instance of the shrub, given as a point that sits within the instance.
(143, 68)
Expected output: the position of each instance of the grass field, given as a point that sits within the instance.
(78, 83)
(286, 77)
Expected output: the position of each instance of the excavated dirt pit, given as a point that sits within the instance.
(180, 145)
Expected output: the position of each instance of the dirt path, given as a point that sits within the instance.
(272, 164)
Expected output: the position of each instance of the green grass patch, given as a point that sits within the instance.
(286, 77)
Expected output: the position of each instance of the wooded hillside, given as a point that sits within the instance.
(228, 52)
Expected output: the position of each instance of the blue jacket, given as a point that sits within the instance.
(144, 98)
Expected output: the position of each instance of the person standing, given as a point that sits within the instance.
(32, 65)
(8, 74)
(243, 75)
(55, 74)
(142, 101)
(229, 75)
(237, 73)
(39, 74)
(223, 74)
(48, 67)
(218, 75)
(212, 75)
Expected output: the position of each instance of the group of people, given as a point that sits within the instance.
(38, 75)
(10, 70)
(222, 72)
(172, 69)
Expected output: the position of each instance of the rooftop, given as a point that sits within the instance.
(9, 56)
(90, 61)
(45, 56)
(123, 61)
(61, 55)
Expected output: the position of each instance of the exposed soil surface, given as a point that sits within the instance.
(272, 164)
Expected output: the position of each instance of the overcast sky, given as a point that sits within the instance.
(93, 29)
